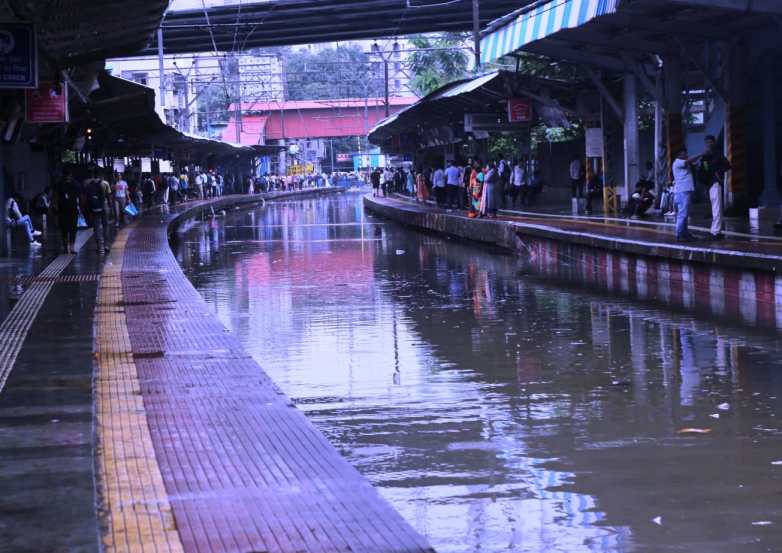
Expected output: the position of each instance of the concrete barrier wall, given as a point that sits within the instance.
(707, 282)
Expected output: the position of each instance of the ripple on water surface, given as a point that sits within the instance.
(495, 411)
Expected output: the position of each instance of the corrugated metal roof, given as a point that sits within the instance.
(72, 32)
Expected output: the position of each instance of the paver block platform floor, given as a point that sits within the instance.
(199, 451)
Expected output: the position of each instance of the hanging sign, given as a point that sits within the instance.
(18, 56)
(594, 142)
(47, 104)
(519, 110)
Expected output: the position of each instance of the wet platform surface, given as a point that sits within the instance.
(197, 449)
(200, 450)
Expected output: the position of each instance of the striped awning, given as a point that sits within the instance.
(540, 20)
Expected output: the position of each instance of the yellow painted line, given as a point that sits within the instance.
(136, 515)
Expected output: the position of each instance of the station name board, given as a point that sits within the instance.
(18, 56)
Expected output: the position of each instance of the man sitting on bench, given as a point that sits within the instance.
(14, 218)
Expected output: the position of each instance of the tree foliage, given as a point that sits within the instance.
(331, 73)
(440, 60)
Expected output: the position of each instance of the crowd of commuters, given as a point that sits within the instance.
(480, 188)
(102, 198)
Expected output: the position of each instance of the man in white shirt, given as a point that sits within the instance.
(453, 178)
(683, 188)
(518, 183)
(575, 178)
(14, 218)
(438, 185)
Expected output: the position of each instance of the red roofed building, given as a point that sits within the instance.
(269, 122)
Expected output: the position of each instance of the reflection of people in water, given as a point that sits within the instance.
(482, 296)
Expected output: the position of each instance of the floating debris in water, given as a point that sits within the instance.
(694, 431)
(723, 406)
(658, 521)
(762, 523)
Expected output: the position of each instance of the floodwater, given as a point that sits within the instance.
(496, 411)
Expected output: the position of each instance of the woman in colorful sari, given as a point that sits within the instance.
(491, 183)
(476, 190)
(421, 191)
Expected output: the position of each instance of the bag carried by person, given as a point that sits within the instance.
(95, 196)
(131, 209)
(81, 222)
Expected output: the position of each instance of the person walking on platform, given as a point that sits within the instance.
(95, 209)
(491, 191)
(375, 178)
(476, 190)
(67, 208)
(452, 181)
(683, 188)
(421, 190)
(517, 185)
(438, 186)
(466, 180)
(712, 170)
(576, 186)
(148, 188)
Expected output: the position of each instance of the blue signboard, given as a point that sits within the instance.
(18, 56)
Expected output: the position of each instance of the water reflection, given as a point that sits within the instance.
(497, 412)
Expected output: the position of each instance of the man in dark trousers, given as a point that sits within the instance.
(95, 209)
(375, 178)
(68, 193)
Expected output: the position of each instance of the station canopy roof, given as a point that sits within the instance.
(127, 124)
(245, 25)
(439, 117)
(595, 31)
(72, 32)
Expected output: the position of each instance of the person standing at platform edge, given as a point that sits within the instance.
(683, 188)
(438, 185)
(453, 180)
(712, 171)
(576, 189)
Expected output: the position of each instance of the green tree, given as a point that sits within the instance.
(332, 73)
(440, 60)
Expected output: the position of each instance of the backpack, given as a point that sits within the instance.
(95, 195)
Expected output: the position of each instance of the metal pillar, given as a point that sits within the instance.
(385, 81)
(771, 194)
(162, 69)
(476, 32)
(631, 148)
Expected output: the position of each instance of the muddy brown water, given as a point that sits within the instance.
(494, 410)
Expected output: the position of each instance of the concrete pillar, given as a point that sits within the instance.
(659, 142)
(771, 195)
(736, 125)
(673, 85)
(631, 148)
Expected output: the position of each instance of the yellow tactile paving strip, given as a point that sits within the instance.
(136, 514)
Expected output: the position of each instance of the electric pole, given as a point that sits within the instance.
(476, 32)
